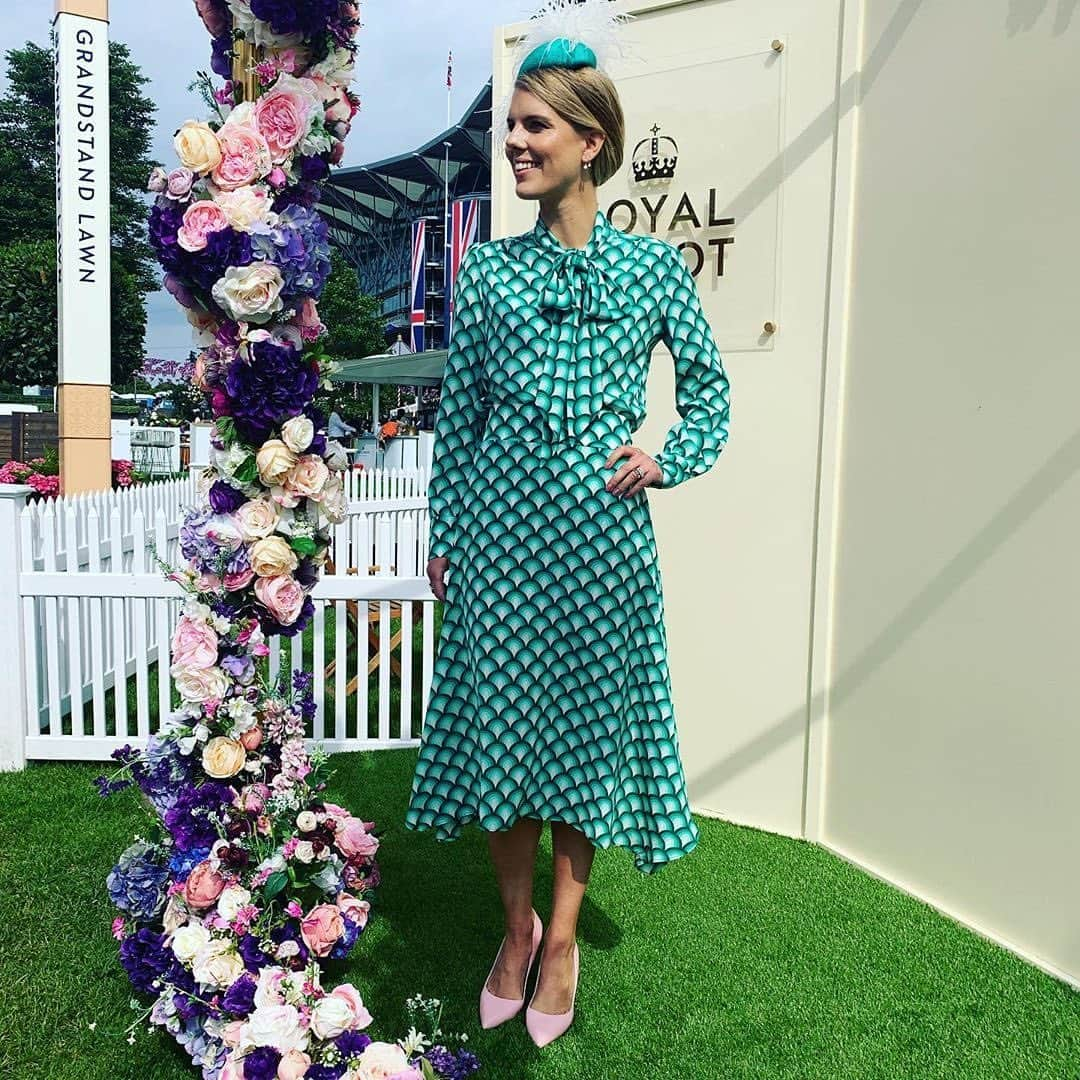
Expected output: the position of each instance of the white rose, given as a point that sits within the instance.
(277, 1026)
(306, 821)
(331, 1017)
(246, 206)
(200, 684)
(380, 1060)
(336, 457)
(275, 461)
(297, 433)
(250, 293)
(257, 518)
(268, 987)
(305, 851)
(188, 940)
(231, 901)
(217, 964)
(334, 503)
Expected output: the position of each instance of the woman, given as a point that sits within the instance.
(551, 696)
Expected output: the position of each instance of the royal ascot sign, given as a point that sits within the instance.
(82, 196)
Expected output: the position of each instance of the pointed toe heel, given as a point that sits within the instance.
(497, 1010)
(545, 1027)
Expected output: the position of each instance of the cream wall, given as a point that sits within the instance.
(952, 737)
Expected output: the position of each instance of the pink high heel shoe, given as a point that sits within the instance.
(496, 1010)
(544, 1027)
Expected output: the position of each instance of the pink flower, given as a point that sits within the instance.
(245, 155)
(293, 1065)
(200, 219)
(277, 177)
(282, 596)
(406, 1074)
(294, 909)
(351, 996)
(240, 580)
(213, 16)
(354, 840)
(283, 115)
(194, 644)
(203, 886)
(118, 928)
(356, 911)
(322, 929)
(253, 798)
(307, 319)
(178, 183)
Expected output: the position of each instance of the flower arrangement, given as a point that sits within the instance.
(248, 881)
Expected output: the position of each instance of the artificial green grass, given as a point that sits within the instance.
(755, 956)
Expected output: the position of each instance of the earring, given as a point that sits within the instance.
(587, 164)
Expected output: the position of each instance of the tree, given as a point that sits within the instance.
(353, 321)
(27, 203)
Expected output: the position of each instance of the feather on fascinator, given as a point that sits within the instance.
(564, 33)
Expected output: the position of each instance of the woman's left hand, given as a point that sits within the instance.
(624, 482)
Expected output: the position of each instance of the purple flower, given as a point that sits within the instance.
(261, 1064)
(183, 862)
(189, 817)
(352, 1043)
(313, 167)
(221, 55)
(145, 958)
(137, 883)
(241, 667)
(252, 955)
(277, 384)
(240, 997)
(308, 17)
(224, 498)
(299, 246)
(324, 1072)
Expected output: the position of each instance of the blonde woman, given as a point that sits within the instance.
(551, 696)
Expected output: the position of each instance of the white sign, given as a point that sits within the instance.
(82, 198)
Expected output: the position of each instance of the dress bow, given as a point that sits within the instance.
(578, 282)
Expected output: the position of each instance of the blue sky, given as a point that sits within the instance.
(400, 78)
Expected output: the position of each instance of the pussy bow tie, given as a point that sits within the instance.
(578, 282)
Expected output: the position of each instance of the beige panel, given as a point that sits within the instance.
(85, 410)
(952, 739)
(90, 9)
(84, 465)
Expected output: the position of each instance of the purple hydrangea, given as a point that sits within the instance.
(145, 958)
(277, 384)
(452, 1066)
(311, 18)
(299, 247)
(189, 818)
(137, 883)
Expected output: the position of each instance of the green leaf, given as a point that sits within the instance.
(274, 884)
(304, 544)
(247, 471)
(428, 1071)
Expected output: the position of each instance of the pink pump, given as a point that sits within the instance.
(544, 1027)
(496, 1010)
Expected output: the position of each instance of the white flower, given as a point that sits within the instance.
(247, 206)
(287, 949)
(297, 433)
(416, 1042)
(277, 1026)
(331, 1017)
(336, 457)
(380, 1060)
(305, 851)
(306, 821)
(217, 964)
(231, 901)
(189, 940)
(201, 732)
(251, 292)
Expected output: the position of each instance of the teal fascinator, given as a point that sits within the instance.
(562, 52)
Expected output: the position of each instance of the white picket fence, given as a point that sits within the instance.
(92, 618)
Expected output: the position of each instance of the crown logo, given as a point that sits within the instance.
(655, 158)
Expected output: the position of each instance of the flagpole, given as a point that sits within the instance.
(447, 283)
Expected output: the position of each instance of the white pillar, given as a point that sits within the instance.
(13, 717)
(84, 342)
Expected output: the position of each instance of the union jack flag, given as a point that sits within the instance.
(464, 219)
(449, 69)
(418, 313)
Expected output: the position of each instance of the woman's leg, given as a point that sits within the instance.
(513, 854)
(572, 858)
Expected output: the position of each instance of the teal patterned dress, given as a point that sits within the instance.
(551, 697)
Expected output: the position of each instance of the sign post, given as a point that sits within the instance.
(82, 244)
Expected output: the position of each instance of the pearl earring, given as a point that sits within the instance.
(587, 164)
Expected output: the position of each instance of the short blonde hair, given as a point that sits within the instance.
(586, 98)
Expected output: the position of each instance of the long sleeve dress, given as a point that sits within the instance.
(551, 695)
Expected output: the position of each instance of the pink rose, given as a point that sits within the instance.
(194, 644)
(232, 1033)
(245, 155)
(277, 177)
(253, 798)
(293, 1065)
(351, 996)
(322, 929)
(282, 596)
(240, 580)
(252, 738)
(354, 840)
(307, 477)
(178, 183)
(203, 886)
(406, 1074)
(200, 219)
(232, 1070)
(283, 115)
(356, 911)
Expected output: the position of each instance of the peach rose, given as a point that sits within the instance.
(334, 503)
(293, 1065)
(252, 738)
(200, 219)
(354, 840)
(245, 207)
(194, 644)
(257, 518)
(203, 886)
(274, 461)
(307, 477)
(272, 556)
(380, 1061)
(223, 757)
(282, 596)
(322, 928)
(197, 147)
(245, 155)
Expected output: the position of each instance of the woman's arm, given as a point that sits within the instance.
(702, 390)
(462, 412)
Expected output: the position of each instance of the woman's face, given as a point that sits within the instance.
(550, 151)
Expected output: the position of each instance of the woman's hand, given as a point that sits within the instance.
(624, 482)
(436, 568)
